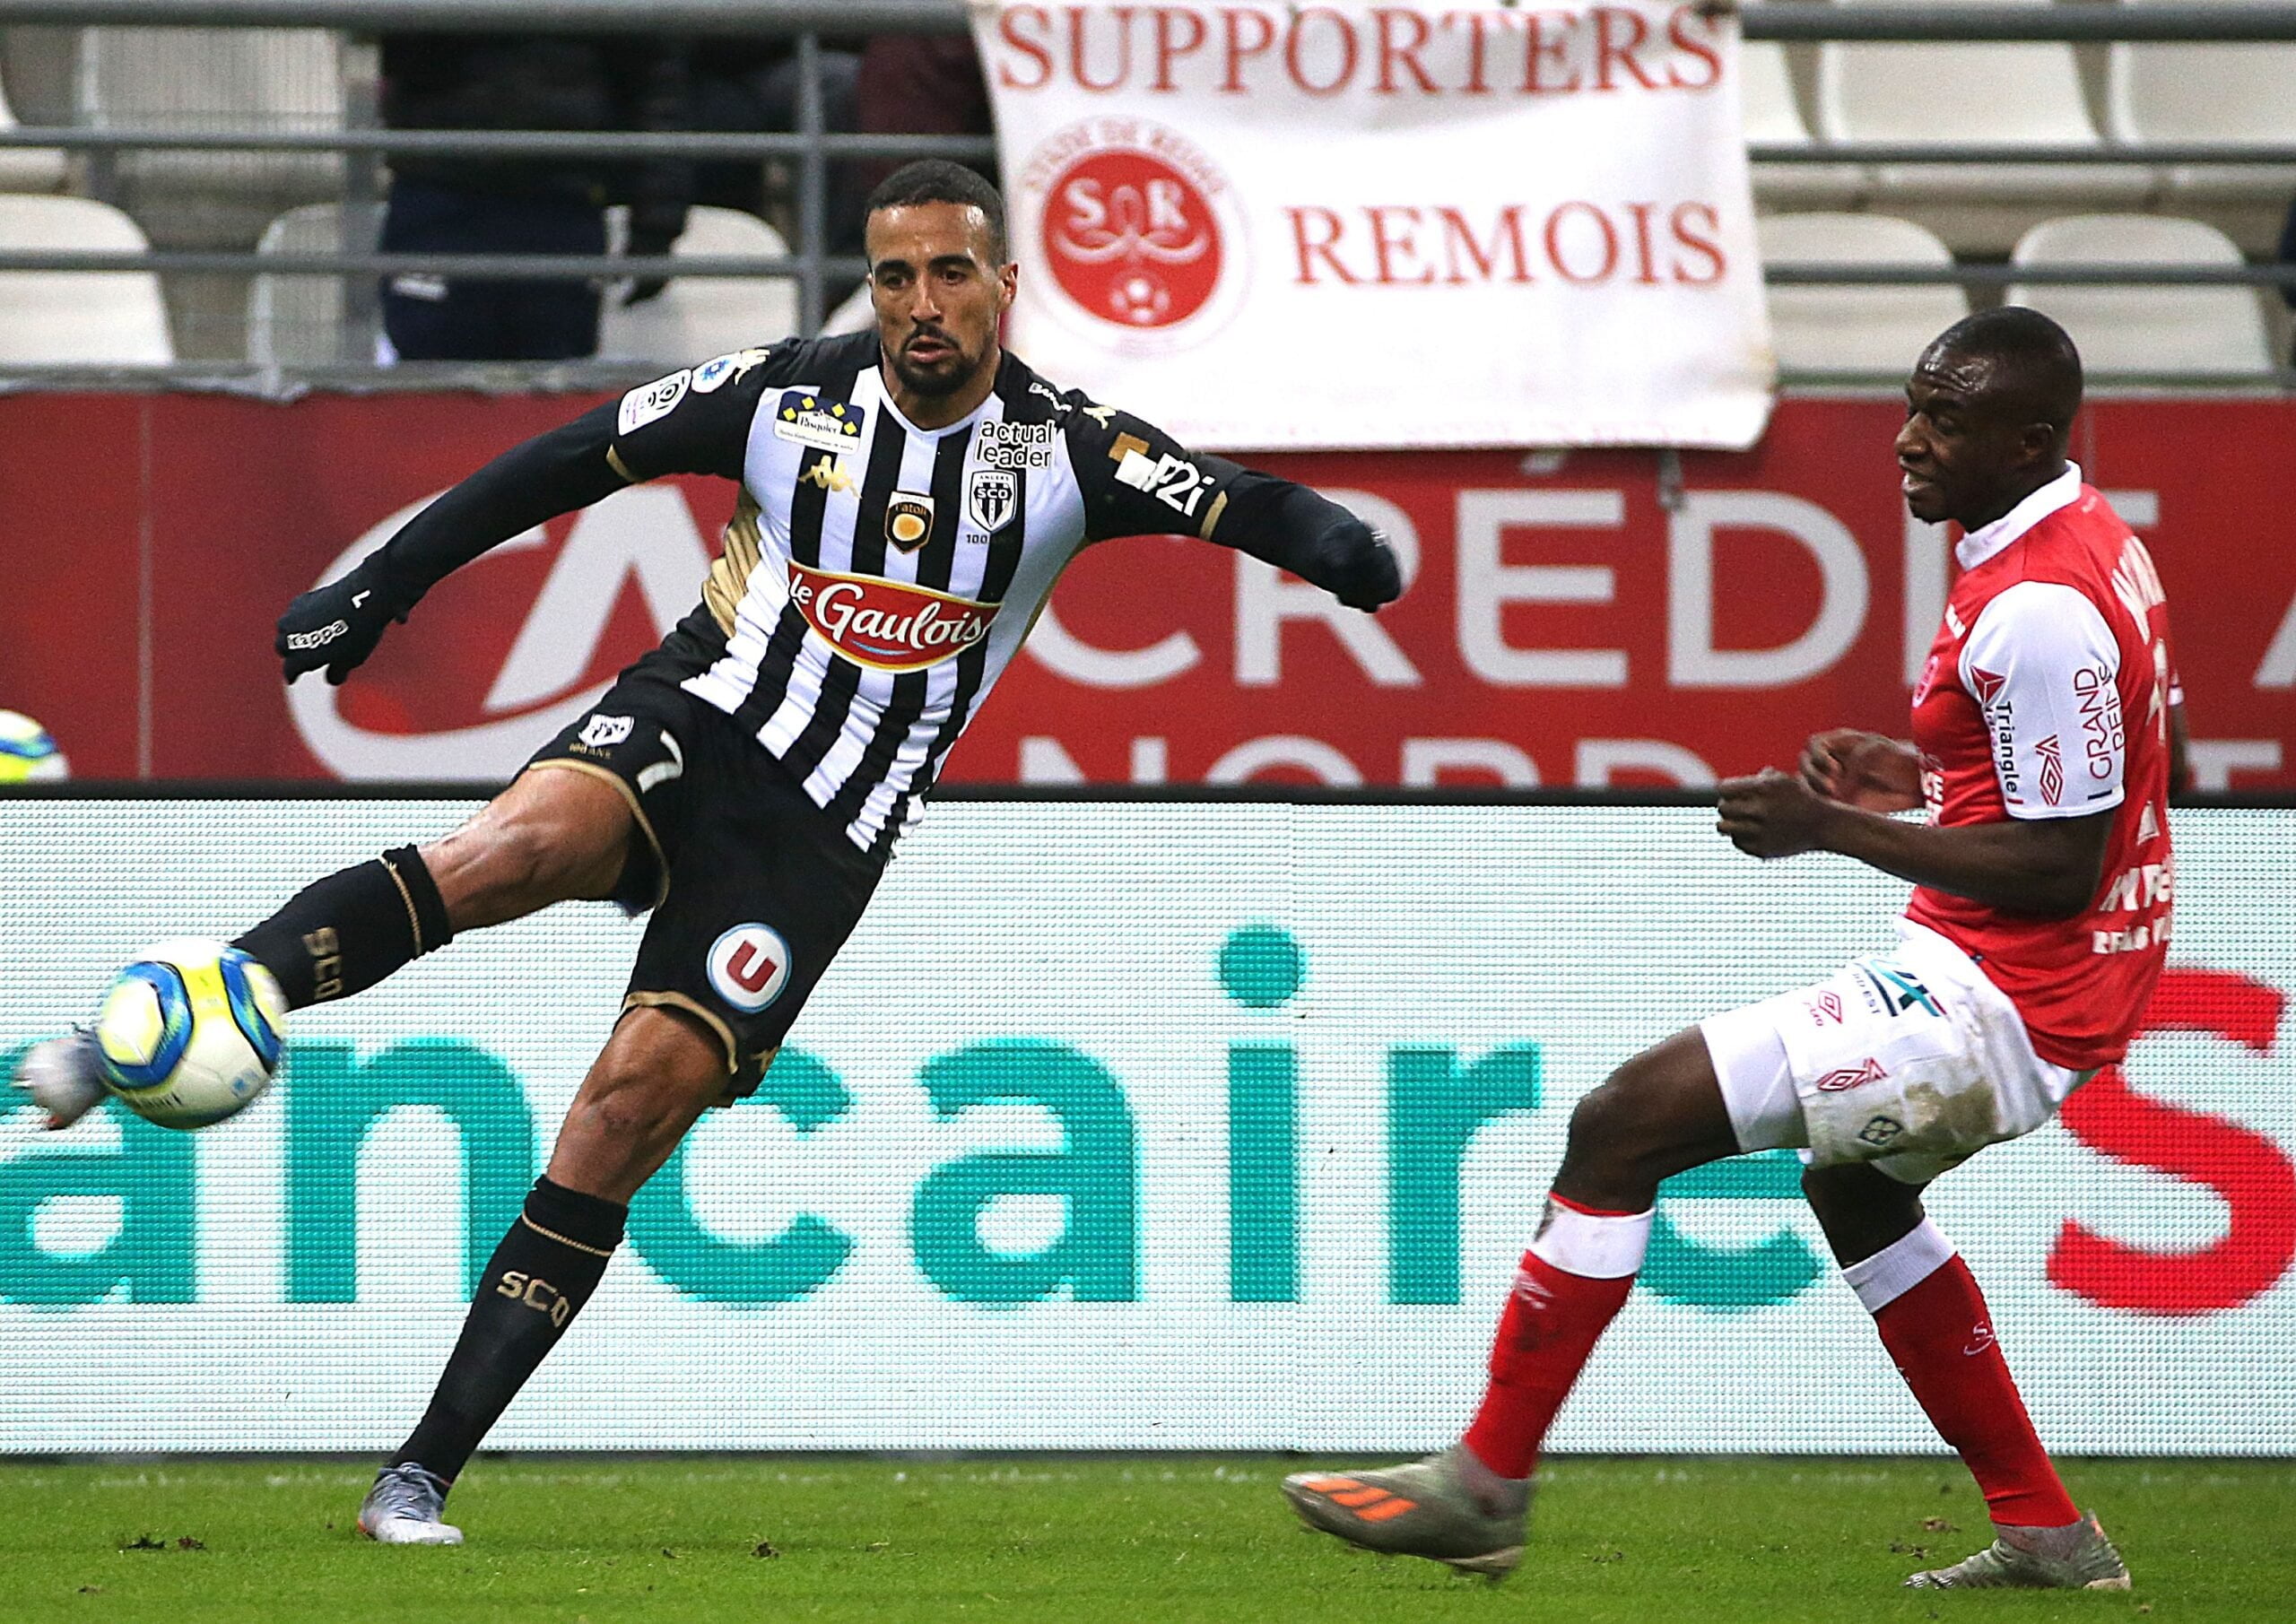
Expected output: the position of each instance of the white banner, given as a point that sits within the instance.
(1437, 224)
(1116, 1126)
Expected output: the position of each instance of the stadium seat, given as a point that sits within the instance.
(1855, 329)
(1992, 94)
(1771, 115)
(697, 316)
(2215, 331)
(853, 314)
(2239, 95)
(297, 320)
(27, 168)
(65, 317)
(212, 79)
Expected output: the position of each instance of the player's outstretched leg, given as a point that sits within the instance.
(1469, 1507)
(549, 836)
(1934, 1321)
(659, 1070)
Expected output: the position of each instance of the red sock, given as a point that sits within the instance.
(1553, 1319)
(1941, 1335)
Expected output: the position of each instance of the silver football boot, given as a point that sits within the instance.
(407, 1506)
(1428, 1508)
(63, 1076)
(2078, 1558)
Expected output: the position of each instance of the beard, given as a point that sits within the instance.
(941, 378)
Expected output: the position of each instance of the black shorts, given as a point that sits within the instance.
(752, 887)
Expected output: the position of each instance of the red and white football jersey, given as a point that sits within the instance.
(2047, 695)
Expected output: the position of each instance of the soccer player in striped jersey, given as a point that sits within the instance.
(2045, 743)
(908, 496)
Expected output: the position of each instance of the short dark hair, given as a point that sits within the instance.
(938, 181)
(2037, 364)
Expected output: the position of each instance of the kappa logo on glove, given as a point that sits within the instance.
(302, 641)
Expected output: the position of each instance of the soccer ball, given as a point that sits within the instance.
(28, 755)
(191, 1033)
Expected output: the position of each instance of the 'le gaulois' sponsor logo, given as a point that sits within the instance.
(887, 625)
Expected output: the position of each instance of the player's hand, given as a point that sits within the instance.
(1862, 769)
(1772, 814)
(338, 625)
(1365, 574)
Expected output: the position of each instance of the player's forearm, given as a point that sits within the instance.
(552, 473)
(1314, 538)
(2050, 869)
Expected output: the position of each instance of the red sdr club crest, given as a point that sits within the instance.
(1131, 240)
(1138, 230)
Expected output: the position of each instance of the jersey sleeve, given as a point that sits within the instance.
(696, 419)
(1136, 480)
(2045, 669)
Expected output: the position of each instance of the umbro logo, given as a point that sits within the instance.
(1853, 1077)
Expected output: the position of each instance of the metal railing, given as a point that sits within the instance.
(810, 147)
(2197, 22)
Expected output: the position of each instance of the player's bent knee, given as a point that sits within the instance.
(1860, 1209)
(1621, 1115)
(1658, 1114)
(659, 1072)
(549, 838)
(1603, 1119)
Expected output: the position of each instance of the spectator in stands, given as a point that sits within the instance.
(922, 84)
(523, 204)
(747, 86)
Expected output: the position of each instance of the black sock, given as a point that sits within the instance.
(536, 1281)
(342, 934)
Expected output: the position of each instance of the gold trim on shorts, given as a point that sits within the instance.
(679, 1001)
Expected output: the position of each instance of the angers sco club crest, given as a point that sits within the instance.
(991, 497)
(908, 520)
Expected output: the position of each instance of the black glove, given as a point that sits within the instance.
(338, 625)
(1361, 566)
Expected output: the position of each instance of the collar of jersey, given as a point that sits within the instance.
(1990, 541)
(885, 401)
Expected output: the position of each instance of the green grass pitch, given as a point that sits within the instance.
(1139, 1539)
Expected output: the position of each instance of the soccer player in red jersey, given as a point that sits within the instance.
(2045, 741)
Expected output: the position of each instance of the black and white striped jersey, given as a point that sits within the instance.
(877, 578)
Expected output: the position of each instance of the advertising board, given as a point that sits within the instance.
(1574, 619)
(1118, 1125)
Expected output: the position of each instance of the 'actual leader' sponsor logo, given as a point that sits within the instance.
(887, 625)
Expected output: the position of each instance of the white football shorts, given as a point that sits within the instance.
(1911, 1060)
